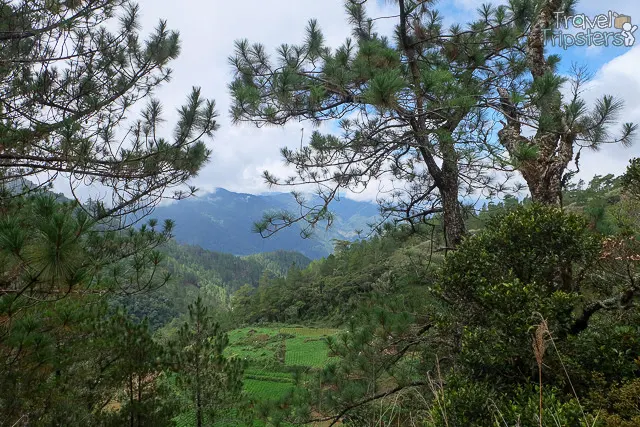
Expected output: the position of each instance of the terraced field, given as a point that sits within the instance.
(272, 354)
(264, 389)
(309, 332)
(305, 351)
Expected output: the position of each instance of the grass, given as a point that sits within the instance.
(267, 378)
(237, 334)
(306, 351)
(257, 345)
(266, 390)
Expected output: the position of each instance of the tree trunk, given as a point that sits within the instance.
(449, 184)
(544, 179)
(546, 193)
(198, 403)
(544, 172)
(554, 138)
(131, 396)
(139, 415)
(454, 226)
(445, 178)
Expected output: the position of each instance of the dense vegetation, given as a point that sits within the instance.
(213, 276)
(524, 313)
(537, 304)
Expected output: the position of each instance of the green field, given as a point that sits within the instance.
(258, 345)
(266, 390)
(309, 332)
(305, 351)
(272, 354)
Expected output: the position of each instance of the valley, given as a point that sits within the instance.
(434, 222)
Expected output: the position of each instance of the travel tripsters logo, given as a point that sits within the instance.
(604, 30)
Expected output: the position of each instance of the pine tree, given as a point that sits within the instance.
(532, 100)
(408, 110)
(55, 272)
(67, 84)
(70, 73)
(212, 380)
(631, 178)
(139, 366)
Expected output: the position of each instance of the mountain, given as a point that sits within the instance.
(279, 262)
(212, 275)
(222, 221)
(197, 266)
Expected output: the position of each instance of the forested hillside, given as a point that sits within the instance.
(470, 318)
(332, 289)
(522, 312)
(213, 276)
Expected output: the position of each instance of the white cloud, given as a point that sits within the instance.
(208, 30)
(240, 153)
(620, 78)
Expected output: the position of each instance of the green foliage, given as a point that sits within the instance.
(529, 264)
(280, 262)
(68, 81)
(199, 267)
(383, 89)
(631, 179)
(452, 337)
(521, 266)
(336, 286)
(55, 267)
(211, 275)
(212, 380)
(523, 408)
(623, 410)
(74, 350)
(146, 400)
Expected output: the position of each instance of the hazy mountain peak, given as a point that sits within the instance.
(222, 221)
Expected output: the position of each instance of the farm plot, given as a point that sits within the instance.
(266, 390)
(309, 332)
(306, 351)
(267, 375)
(257, 345)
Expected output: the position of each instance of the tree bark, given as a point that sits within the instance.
(446, 177)
(545, 173)
(454, 226)
(554, 144)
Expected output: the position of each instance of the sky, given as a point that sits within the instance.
(208, 29)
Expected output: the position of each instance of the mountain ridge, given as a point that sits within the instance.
(222, 221)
